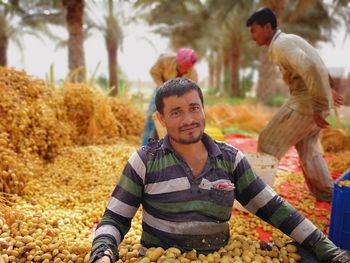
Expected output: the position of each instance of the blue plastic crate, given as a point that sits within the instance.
(339, 230)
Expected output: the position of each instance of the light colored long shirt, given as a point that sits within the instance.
(304, 72)
(165, 69)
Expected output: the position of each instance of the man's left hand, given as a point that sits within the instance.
(320, 120)
(338, 100)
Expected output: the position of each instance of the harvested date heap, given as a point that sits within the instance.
(38, 121)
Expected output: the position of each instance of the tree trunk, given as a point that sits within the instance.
(3, 50)
(226, 65)
(112, 49)
(235, 57)
(277, 6)
(218, 70)
(74, 19)
(211, 70)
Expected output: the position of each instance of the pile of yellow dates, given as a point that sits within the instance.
(239, 249)
(53, 220)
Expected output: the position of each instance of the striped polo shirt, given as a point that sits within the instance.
(187, 212)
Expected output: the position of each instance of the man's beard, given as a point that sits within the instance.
(188, 141)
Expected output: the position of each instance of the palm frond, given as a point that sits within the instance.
(300, 8)
(63, 43)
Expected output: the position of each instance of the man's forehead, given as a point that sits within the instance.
(189, 94)
(255, 25)
(188, 98)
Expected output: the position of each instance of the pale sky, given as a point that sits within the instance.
(336, 54)
(140, 50)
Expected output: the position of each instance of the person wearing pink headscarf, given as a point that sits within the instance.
(169, 66)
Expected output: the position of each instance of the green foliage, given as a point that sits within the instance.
(246, 84)
(123, 87)
(212, 91)
(213, 100)
(180, 21)
(226, 82)
(102, 82)
(238, 131)
(310, 20)
(276, 101)
(19, 18)
(343, 124)
(123, 84)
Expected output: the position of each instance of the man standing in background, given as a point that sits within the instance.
(300, 119)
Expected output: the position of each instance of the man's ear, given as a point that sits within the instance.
(268, 26)
(160, 117)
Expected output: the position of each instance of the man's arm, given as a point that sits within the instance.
(121, 208)
(157, 72)
(320, 119)
(192, 75)
(106, 257)
(261, 200)
(300, 63)
(338, 100)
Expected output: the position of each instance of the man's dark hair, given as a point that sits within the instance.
(262, 17)
(175, 87)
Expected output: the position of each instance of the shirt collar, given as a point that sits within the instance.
(276, 35)
(212, 148)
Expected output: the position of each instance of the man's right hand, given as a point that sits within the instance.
(320, 120)
(342, 257)
(338, 100)
(104, 259)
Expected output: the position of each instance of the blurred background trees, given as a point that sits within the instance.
(109, 22)
(20, 18)
(215, 29)
(74, 20)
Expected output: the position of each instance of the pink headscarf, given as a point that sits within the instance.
(186, 58)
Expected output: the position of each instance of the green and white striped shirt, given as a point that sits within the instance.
(187, 212)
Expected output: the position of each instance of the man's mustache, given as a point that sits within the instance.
(189, 126)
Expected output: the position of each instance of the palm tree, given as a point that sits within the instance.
(217, 28)
(74, 19)
(110, 26)
(18, 18)
(38, 14)
(180, 21)
(230, 16)
(213, 28)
